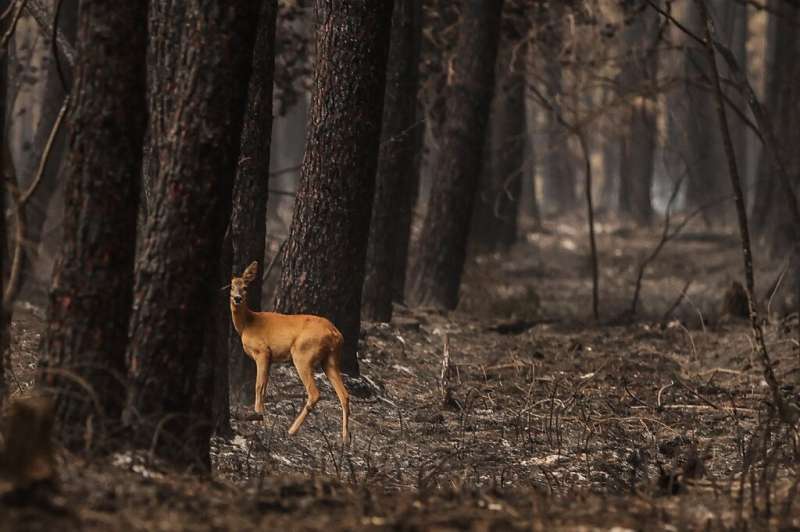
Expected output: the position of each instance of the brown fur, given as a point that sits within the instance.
(304, 339)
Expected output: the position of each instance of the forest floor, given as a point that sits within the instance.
(546, 419)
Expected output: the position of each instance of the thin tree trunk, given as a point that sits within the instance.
(439, 262)
(90, 298)
(52, 99)
(510, 164)
(772, 220)
(397, 162)
(494, 224)
(198, 72)
(250, 194)
(560, 192)
(704, 146)
(638, 143)
(323, 270)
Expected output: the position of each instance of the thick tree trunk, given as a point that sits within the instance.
(5, 161)
(219, 342)
(323, 269)
(90, 298)
(248, 227)
(397, 163)
(439, 262)
(198, 73)
(638, 142)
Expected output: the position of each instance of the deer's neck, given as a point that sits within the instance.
(241, 316)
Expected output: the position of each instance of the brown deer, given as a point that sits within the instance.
(304, 339)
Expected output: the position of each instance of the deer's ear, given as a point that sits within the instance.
(250, 272)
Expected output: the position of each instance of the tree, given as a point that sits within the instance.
(323, 268)
(771, 216)
(639, 141)
(439, 262)
(703, 150)
(494, 225)
(90, 297)
(398, 167)
(248, 224)
(199, 61)
(48, 188)
(5, 160)
(559, 177)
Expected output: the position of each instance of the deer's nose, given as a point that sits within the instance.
(237, 299)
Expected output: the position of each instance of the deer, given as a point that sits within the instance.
(307, 340)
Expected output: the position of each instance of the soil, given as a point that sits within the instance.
(539, 416)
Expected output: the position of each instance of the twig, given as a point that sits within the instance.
(12, 27)
(678, 301)
(41, 15)
(578, 132)
(786, 415)
(274, 260)
(590, 216)
(48, 147)
(664, 238)
(444, 384)
(20, 200)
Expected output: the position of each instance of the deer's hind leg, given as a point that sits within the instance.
(305, 368)
(331, 368)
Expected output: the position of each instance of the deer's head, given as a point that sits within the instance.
(239, 284)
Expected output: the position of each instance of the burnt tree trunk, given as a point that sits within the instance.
(559, 190)
(218, 341)
(46, 192)
(4, 162)
(638, 142)
(248, 227)
(323, 268)
(772, 218)
(90, 297)
(509, 139)
(199, 72)
(706, 180)
(397, 164)
(494, 224)
(439, 262)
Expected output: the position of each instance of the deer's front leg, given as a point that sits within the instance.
(262, 359)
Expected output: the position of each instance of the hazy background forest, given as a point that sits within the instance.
(559, 239)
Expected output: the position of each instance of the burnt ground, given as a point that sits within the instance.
(545, 418)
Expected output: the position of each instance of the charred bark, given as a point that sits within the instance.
(90, 297)
(638, 142)
(248, 226)
(439, 262)
(4, 162)
(323, 269)
(494, 225)
(559, 191)
(772, 218)
(703, 149)
(397, 164)
(37, 208)
(199, 70)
